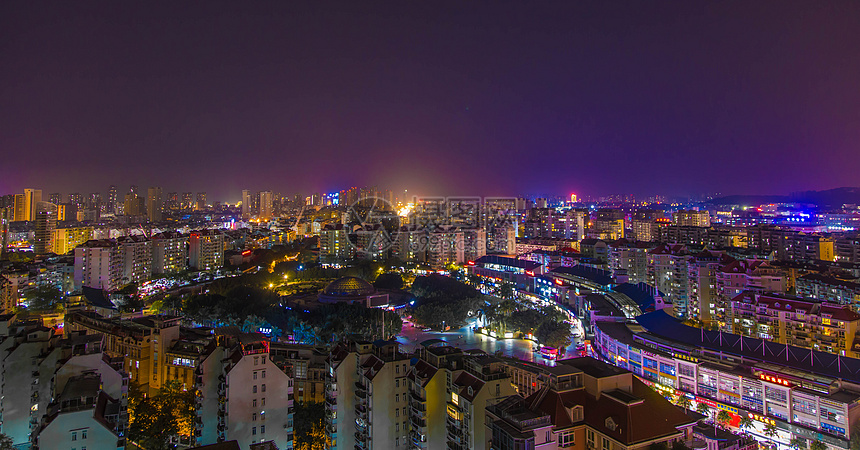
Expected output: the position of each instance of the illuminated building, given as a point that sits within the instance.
(187, 201)
(86, 413)
(800, 322)
(691, 218)
(368, 398)
(587, 405)
(308, 369)
(55, 198)
(246, 204)
(154, 204)
(334, 245)
(668, 271)
(246, 391)
(46, 222)
(629, 258)
(133, 205)
(136, 254)
(172, 201)
(803, 393)
(829, 289)
(19, 213)
(98, 264)
(142, 342)
(32, 198)
(169, 252)
(785, 244)
(206, 250)
(757, 275)
(201, 201)
(111, 207)
(445, 245)
(265, 209)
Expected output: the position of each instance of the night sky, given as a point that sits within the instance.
(457, 98)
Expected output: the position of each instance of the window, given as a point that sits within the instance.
(254, 431)
(84, 434)
(264, 374)
(607, 445)
(263, 415)
(264, 388)
(255, 375)
(262, 429)
(256, 360)
(263, 401)
(397, 382)
(397, 412)
(396, 397)
(396, 369)
(566, 440)
(589, 437)
(254, 403)
(254, 417)
(74, 435)
(397, 426)
(254, 389)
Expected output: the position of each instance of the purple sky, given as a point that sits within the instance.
(459, 98)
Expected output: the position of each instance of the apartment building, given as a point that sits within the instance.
(206, 250)
(169, 252)
(99, 264)
(801, 322)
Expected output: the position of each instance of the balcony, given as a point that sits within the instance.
(416, 397)
(360, 393)
(360, 436)
(417, 422)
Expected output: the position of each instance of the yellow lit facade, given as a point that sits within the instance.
(66, 239)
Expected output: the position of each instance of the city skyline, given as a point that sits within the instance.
(675, 98)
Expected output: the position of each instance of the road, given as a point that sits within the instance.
(411, 337)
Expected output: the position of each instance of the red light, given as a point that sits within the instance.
(534, 384)
(530, 273)
(246, 252)
(471, 263)
(558, 282)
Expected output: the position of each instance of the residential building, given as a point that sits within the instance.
(136, 254)
(99, 264)
(154, 204)
(206, 250)
(800, 322)
(334, 245)
(246, 391)
(169, 252)
(368, 399)
(65, 240)
(691, 218)
(46, 222)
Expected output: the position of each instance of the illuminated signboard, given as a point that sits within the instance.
(774, 379)
(762, 419)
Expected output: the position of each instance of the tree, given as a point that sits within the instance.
(6, 442)
(745, 423)
(723, 417)
(770, 430)
(704, 409)
(309, 426)
(154, 419)
(797, 443)
(43, 298)
(554, 334)
(684, 402)
(817, 445)
(389, 280)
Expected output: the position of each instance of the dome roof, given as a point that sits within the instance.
(349, 287)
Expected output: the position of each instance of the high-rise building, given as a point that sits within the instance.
(369, 396)
(111, 207)
(154, 206)
(206, 250)
(77, 199)
(169, 252)
(19, 213)
(46, 222)
(692, 218)
(98, 264)
(187, 201)
(265, 212)
(136, 259)
(172, 201)
(134, 205)
(55, 198)
(65, 240)
(246, 204)
(32, 197)
(201, 201)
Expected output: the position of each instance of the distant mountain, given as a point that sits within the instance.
(831, 198)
